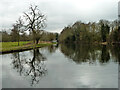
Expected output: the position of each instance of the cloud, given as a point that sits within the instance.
(59, 12)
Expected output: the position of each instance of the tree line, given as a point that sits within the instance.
(92, 32)
(13, 36)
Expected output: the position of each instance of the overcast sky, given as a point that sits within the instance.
(60, 13)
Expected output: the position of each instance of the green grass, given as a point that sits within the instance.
(7, 46)
(24, 45)
(13, 44)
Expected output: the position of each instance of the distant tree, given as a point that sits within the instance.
(14, 33)
(103, 34)
(57, 35)
(19, 25)
(116, 35)
(24, 37)
(17, 28)
(5, 37)
(105, 29)
(51, 36)
(35, 21)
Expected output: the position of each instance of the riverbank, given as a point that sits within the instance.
(10, 47)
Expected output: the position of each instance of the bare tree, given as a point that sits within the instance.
(35, 20)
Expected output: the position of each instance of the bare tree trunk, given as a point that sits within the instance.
(37, 40)
(18, 43)
(18, 39)
(34, 37)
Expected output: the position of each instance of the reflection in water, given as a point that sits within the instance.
(52, 48)
(17, 63)
(88, 53)
(115, 51)
(35, 67)
(105, 56)
(60, 69)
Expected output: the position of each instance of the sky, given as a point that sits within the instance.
(59, 13)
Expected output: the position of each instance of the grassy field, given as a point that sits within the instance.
(7, 47)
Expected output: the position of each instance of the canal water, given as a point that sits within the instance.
(62, 66)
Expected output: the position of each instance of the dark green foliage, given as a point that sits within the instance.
(116, 35)
(80, 32)
(14, 34)
(56, 35)
(5, 36)
(92, 32)
(105, 29)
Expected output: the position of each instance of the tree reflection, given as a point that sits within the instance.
(52, 48)
(105, 56)
(115, 51)
(86, 53)
(32, 67)
(17, 63)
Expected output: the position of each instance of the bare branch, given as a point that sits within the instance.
(28, 17)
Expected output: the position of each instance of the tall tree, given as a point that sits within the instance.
(19, 25)
(105, 29)
(17, 28)
(14, 33)
(35, 20)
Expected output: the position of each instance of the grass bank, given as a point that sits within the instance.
(9, 47)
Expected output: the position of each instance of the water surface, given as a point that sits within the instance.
(63, 66)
